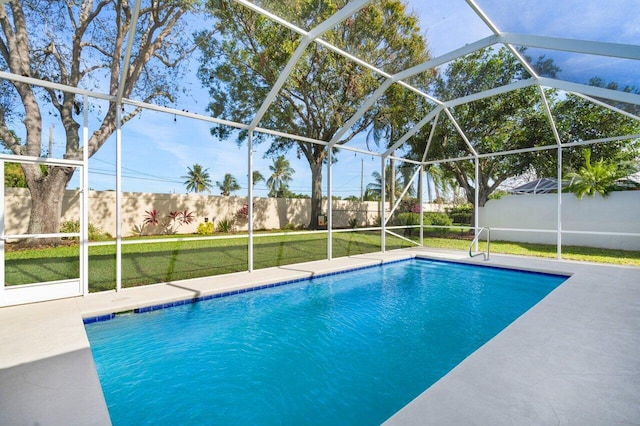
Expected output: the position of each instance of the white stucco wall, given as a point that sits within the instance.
(619, 212)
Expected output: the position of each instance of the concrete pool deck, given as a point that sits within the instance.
(571, 359)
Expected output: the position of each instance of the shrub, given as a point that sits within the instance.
(225, 225)
(205, 228)
(437, 219)
(353, 223)
(73, 226)
(176, 219)
(406, 219)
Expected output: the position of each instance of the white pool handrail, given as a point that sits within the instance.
(475, 239)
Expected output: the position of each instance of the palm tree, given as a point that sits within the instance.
(281, 175)
(228, 185)
(257, 177)
(598, 178)
(197, 179)
(394, 182)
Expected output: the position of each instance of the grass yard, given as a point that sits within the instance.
(176, 260)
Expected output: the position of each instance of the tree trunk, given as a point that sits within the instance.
(316, 193)
(47, 192)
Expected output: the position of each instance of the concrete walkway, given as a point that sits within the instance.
(571, 359)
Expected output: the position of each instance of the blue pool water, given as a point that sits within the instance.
(350, 348)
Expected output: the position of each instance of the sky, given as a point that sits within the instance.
(158, 148)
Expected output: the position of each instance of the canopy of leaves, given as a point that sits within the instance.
(243, 62)
(508, 121)
(514, 120)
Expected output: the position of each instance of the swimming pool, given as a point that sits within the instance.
(350, 348)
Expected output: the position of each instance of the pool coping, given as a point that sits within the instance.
(478, 391)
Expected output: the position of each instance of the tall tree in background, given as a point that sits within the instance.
(324, 90)
(197, 179)
(281, 175)
(257, 177)
(228, 185)
(578, 119)
(80, 44)
(515, 120)
(509, 121)
(394, 182)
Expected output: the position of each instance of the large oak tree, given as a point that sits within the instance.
(81, 44)
(511, 121)
(244, 60)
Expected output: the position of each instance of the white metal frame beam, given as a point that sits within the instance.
(351, 8)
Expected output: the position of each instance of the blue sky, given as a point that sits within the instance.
(157, 150)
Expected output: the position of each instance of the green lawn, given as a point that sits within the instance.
(170, 261)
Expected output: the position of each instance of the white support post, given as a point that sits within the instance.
(476, 212)
(250, 203)
(383, 196)
(559, 231)
(84, 205)
(421, 201)
(118, 197)
(329, 206)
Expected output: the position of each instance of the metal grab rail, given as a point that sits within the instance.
(475, 239)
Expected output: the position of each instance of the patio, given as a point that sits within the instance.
(571, 359)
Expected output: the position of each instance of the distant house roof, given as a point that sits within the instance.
(538, 186)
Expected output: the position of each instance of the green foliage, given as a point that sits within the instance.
(95, 233)
(406, 219)
(578, 119)
(14, 176)
(225, 225)
(353, 222)
(515, 120)
(281, 175)
(429, 218)
(437, 219)
(396, 181)
(597, 178)
(228, 185)
(197, 179)
(242, 57)
(461, 215)
(205, 228)
(508, 121)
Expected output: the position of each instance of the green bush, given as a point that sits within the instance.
(461, 215)
(73, 226)
(224, 225)
(437, 219)
(406, 219)
(205, 228)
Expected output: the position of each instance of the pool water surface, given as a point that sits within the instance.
(350, 348)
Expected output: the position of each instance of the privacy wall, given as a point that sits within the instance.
(617, 213)
(269, 213)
